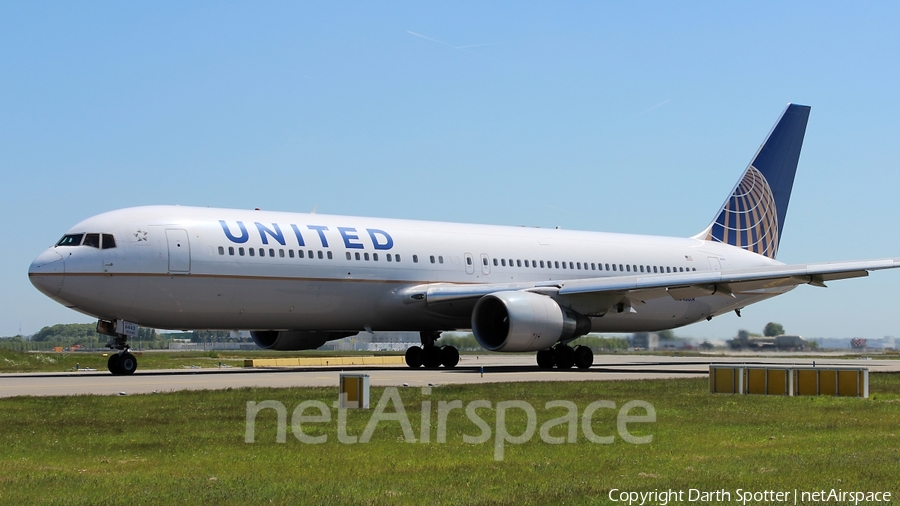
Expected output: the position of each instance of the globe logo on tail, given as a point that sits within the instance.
(749, 219)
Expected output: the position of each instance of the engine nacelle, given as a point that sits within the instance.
(524, 321)
(294, 340)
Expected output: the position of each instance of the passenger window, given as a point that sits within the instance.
(92, 240)
(495, 262)
(366, 257)
(440, 259)
(642, 268)
(291, 254)
(349, 257)
(311, 256)
(518, 263)
(681, 269)
(396, 258)
(468, 260)
(272, 252)
(628, 268)
(415, 259)
(320, 255)
(299, 253)
(510, 262)
(578, 265)
(241, 251)
(330, 256)
(357, 255)
(231, 250)
(375, 256)
(221, 250)
(667, 270)
(607, 267)
(109, 241)
(503, 262)
(542, 264)
(430, 258)
(654, 269)
(262, 252)
(252, 251)
(388, 257)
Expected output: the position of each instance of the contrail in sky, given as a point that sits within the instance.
(654, 107)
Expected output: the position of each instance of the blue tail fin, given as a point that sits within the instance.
(753, 216)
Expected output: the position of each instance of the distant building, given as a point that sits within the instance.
(644, 341)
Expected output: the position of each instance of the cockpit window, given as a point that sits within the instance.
(70, 240)
(92, 240)
(109, 241)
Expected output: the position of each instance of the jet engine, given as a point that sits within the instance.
(293, 340)
(524, 321)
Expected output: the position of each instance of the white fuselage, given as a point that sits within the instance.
(192, 268)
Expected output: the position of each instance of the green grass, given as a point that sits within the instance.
(188, 447)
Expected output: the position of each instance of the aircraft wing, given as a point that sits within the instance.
(595, 296)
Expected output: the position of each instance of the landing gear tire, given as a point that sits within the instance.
(449, 356)
(414, 357)
(431, 357)
(545, 359)
(127, 363)
(564, 357)
(584, 357)
(113, 364)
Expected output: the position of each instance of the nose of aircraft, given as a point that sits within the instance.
(47, 272)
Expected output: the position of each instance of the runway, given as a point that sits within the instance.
(471, 369)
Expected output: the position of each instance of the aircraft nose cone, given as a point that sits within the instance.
(47, 272)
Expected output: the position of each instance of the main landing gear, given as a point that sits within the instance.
(120, 361)
(564, 357)
(431, 355)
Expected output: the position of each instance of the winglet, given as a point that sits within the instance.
(753, 216)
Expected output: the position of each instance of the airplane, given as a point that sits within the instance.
(297, 281)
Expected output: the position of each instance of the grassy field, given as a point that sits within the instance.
(189, 447)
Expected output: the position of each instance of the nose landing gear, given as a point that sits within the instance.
(121, 362)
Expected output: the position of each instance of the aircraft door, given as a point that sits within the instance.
(485, 265)
(714, 264)
(470, 264)
(179, 251)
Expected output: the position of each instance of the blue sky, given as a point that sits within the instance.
(632, 117)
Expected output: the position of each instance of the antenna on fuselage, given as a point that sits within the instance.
(315, 207)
